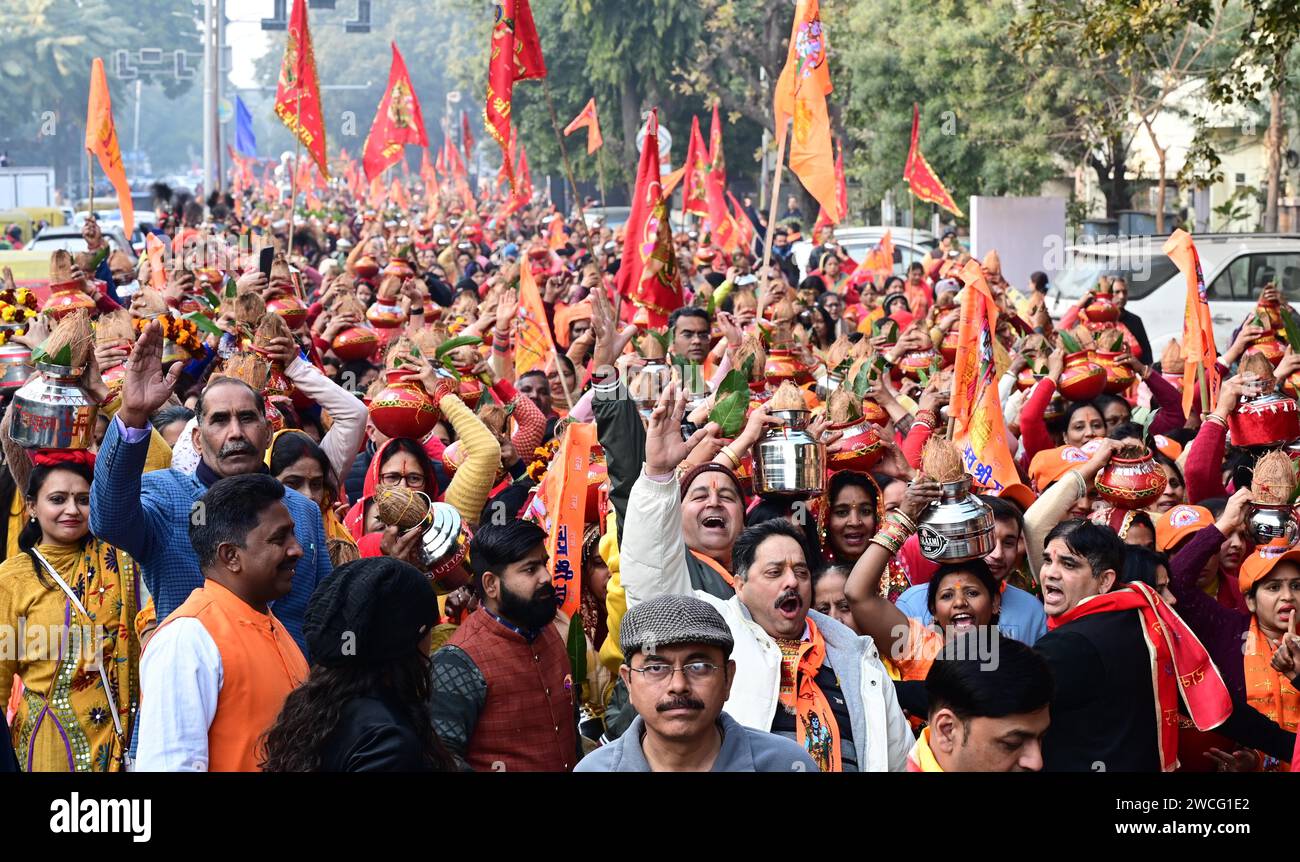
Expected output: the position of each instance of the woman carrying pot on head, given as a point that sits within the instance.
(960, 596)
(77, 598)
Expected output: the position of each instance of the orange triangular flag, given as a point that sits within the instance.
(101, 139)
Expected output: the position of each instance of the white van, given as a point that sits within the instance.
(909, 245)
(1235, 266)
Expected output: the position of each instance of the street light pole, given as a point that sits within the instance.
(209, 90)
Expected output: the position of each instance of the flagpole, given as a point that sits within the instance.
(293, 178)
(90, 177)
(911, 217)
(600, 175)
(771, 211)
(564, 153)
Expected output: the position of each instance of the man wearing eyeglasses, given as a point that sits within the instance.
(678, 673)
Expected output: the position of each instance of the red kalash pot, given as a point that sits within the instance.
(1119, 377)
(355, 342)
(1131, 482)
(403, 408)
(1082, 379)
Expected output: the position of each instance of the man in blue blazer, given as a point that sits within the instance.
(148, 515)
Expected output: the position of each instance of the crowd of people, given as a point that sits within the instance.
(315, 531)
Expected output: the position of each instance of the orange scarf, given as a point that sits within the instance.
(716, 566)
(1179, 663)
(1267, 690)
(815, 725)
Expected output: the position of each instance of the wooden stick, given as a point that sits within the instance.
(293, 178)
(600, 176)
(564, 154)
(771, 212)
(90, 176)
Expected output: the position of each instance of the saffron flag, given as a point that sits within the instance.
(647, 272)
(695, 194)
(516, 55)
(534, 343)
(978, 429)
(841, 192)
(155, 251)
(398, 196)
(1199, 352)
(556, 238)
(398, 122)
(721, 228)
(587, 119)
(563, 498)
(920, 177)
(297, 97)
(466, 137)
(101, 139)
(432, 194)
(801, 96)
(878, 264)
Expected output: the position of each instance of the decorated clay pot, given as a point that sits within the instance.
(1266, 420)
(1102, 309)
(948, 347)
(66, 297)
(1131, 483)
(274, 417)
(289, 308)
(783, 365)
(872, 412)
(1119, 377)
(1082, 379)
(366, 266)
(912, 364)
(400, 268)
(385, 316)
(355, 342)
(1269, 346)
(1272, 310)
(1291, 386)
(861, 447)
(1026, 379)
(403, 409)
(470, 388)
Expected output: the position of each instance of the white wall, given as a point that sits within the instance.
(1024, 230)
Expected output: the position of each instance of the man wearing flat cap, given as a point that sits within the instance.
(678, 673)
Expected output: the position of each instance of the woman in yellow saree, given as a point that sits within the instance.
(72, 601)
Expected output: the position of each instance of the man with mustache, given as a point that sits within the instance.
(678, 672)
(798, 673)
(219, 667)
(503, 698)
(147, 515)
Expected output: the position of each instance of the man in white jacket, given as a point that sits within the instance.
(798, 673)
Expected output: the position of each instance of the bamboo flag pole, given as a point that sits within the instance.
(771, 212)
(90, 178)
(293, 177)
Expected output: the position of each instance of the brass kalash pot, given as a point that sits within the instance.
(788, 460)
(957, 527)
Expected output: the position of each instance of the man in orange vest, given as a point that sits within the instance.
(217, 671)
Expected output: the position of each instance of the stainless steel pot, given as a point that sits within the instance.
(1268, 523)
(957, 527)
(15, 365)
(648, 385)
(53, 411)
(787, 460)
(444, 546)
(828, 382)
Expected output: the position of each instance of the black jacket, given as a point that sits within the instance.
(1103, 709)
(1135, 326)
(373, 736)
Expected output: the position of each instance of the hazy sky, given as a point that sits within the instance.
(244, 35)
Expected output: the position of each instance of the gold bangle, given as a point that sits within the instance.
(731, 456)
(903, 520)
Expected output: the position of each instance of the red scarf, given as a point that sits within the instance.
(1179, 663)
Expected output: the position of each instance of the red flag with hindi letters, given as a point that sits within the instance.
(721, 228)
(647, 272)
(101, 139)
(587, 119)
(534, 343)
(398, 121)
(563, 494)
(920, 177)
(695, 192)
(516, 55)
(743, 224)
(1199, 352)
(800, 96)
(978, 430)
(297, 97)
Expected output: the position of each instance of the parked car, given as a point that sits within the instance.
(909, 245)
(69, 237)
(1235, 267)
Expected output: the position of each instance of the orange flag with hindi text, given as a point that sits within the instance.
(534, 343)
(801, 96)
(978, 428)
